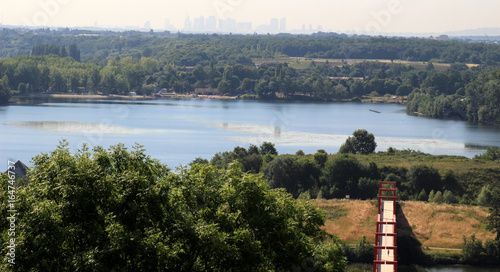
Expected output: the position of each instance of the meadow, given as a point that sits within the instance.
(437, 226)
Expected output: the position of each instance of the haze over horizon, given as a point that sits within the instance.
(387, 16)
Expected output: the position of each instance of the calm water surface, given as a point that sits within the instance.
(177, 131)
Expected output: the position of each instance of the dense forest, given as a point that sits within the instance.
(189, 50)
(116, 63)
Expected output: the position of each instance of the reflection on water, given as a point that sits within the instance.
(103, 128)
(293, 138)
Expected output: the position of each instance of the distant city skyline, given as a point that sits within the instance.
(275, 16)
(230, 25)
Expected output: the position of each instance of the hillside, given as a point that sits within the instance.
(434, 225)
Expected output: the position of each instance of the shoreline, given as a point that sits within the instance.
(17, 99)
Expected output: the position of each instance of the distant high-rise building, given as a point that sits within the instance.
(320, 28)
(147, 25)
(231, 25)
(168, 26)
(227, 26)
(243, 27)
(187, 24)
(283, 25)
(273, 27)
(199, 24)
(221, 25)
(211, 24)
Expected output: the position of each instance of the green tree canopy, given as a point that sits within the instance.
(423, 177)
(268, 148)
(340, 176)
(121, 210)
(361, 142)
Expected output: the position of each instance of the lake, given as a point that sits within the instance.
(177, 131)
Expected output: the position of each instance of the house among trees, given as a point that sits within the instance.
(20, 169)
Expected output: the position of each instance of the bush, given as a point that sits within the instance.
(431, 196)
(362, 253)
(472, 251)
(438, 197)
(485, 196)
(422, 196)
(448, 197)
(491, 154)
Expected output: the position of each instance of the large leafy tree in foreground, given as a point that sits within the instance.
(120, 210)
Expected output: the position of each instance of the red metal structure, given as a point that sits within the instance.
(386, 251)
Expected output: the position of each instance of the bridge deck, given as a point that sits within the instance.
(385, 244)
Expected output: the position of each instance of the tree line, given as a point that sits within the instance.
(476, 100)
(52, 49)
(191, 49)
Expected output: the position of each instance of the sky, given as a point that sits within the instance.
(381, 16)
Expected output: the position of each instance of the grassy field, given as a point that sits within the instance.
(472, 174)
(459, 164)
(300, 63)
(439, 226)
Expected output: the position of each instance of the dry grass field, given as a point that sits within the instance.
(434, 225)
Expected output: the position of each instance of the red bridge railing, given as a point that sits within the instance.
(386, 251)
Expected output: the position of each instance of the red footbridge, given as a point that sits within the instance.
(386, 251)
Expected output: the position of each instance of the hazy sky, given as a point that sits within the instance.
(335, 15)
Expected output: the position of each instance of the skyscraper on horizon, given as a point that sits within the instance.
(187, 24)
(211, 24)
(199, 24)
(168, 25)
(283, 25)
(273, 27)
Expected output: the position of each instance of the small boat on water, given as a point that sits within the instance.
(374, 111)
